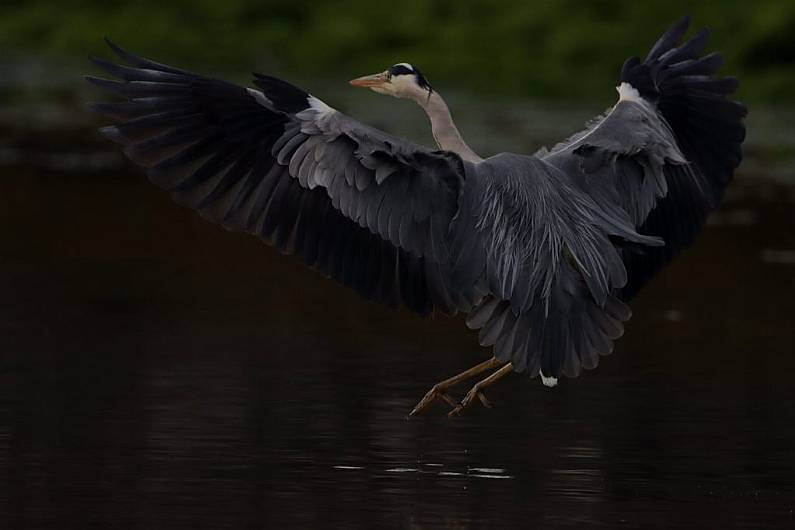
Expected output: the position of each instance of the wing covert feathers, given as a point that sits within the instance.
(542, 251)
(356, 204)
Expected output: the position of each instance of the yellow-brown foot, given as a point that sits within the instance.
(436, 392)
(476, 392)
(439, 390)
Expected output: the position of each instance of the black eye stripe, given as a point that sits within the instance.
(400, 69)
(421, 80)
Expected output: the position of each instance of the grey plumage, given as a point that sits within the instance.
(542, 251)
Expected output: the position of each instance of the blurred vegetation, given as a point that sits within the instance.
(527, 48)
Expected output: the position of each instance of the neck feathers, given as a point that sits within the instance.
(444, 130)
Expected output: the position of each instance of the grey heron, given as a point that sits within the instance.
(542, 251)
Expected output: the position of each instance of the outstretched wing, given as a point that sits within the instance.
(564, 249)
(367, 209)
(666, 151)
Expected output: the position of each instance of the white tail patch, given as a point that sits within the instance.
(627, 92)
(548, 381)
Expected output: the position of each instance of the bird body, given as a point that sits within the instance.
(542, 251)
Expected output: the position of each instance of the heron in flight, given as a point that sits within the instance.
(541, 251)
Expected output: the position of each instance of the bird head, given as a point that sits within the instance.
(401, 81)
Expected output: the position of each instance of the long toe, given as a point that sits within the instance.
(466, 402)
(430, 397)
(484, 400)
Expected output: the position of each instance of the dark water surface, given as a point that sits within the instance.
(158, 372)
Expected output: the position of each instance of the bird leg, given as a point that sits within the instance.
(477, 390)
(440, 389)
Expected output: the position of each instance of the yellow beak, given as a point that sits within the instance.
(369, 81)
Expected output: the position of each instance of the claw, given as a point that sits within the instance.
(435, 392)
(439, 390)
(486, 403)
(474, 392)
(447, 397)
(477, 391)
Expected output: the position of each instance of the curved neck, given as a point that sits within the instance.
(444, 130)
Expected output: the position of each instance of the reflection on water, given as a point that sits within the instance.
(158, 372)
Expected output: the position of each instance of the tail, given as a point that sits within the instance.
(709, 131)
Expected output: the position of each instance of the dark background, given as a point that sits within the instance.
(542, 48)
(159, 372)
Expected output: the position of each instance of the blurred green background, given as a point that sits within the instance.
(561, 49)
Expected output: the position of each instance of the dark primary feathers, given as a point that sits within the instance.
(542, 251)
(666, 160)
(359, 205)
(658, 161)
